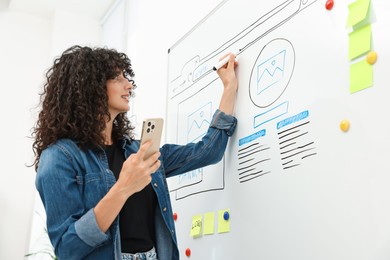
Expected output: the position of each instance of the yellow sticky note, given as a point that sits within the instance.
(359, 42)
(208, 224)
(223, 221)
(358, 11)
(360, 76)
(196, 228)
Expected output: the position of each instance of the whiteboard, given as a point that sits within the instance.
(295, 184)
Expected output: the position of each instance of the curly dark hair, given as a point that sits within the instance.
(75, 102)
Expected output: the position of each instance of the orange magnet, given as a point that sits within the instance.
(175, 216)
(371, 57)
(344, 125)
(329, 4)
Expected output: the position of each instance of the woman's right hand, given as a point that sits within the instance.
(135, 175)
(229, 79)
(227, 72)
(136, 170)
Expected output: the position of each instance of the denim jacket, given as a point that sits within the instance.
(72, 181)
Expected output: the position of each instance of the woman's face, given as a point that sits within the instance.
(118, 92)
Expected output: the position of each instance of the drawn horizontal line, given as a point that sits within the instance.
(294, 127)
(299, 147)
(288, 167)
(293, 138)
(287, 162)
(297, 153)
(248, 151)
(247, 171)
(293, 132)
(308, 155)
(258, 175)
(287, 145)
(244, 148)
(303, 146)
(255, 173)
(253, 153)
(254, 164)
(246, 161)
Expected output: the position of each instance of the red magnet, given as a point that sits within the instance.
(329, 4)
(175, 216)
(188, 252)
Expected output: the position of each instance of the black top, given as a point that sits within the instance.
(136, 219)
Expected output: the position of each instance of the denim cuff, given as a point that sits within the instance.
(88, 230)
(224, 122)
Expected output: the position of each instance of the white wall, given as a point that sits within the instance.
(71, 29)
(27, 48)
(23, 51)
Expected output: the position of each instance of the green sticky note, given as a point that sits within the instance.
(359, 42)
(360, 76)
(358, 11)
(223, 223)
(196, 228)
(208, 223)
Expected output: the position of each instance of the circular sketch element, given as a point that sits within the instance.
(271, 72)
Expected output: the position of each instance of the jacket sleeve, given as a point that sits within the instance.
(178, 159)
(72, 229)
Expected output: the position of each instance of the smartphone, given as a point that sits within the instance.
(152, 130)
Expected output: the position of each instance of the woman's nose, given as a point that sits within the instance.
(129, 85)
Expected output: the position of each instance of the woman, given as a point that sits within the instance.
(101, 199)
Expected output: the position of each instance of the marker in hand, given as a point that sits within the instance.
(224, 61)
